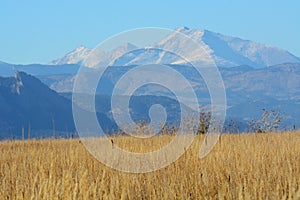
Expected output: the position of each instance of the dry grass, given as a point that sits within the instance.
(255, 166)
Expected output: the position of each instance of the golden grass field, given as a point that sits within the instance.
(252, 166)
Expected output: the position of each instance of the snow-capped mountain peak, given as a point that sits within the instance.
(182, 29)
(74, 57)
(225, 51)
(80, 48)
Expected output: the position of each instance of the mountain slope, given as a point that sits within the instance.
(26, 101)
(262, 55)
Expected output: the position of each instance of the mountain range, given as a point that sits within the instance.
(30, 109)
(225, 51)
(248, 90)
(255, 75)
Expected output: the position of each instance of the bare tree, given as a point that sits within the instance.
(204, 121)
(269, 122)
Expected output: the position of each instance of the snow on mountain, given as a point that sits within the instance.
(73, 57)
(228, 51)
(261, 54)
(225, 51)
(95, 57)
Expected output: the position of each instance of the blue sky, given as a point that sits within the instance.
(36, 31)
